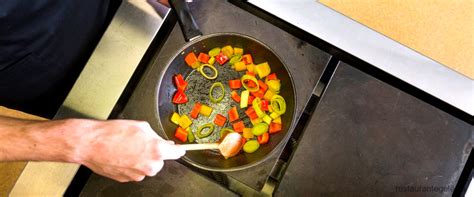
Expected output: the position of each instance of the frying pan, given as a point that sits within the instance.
(198, 90)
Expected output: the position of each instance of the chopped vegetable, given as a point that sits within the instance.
(274, 85)
(190, 135)
(251, 113)
(201, 70)
(227, 50)
(180, 83)
(272, 76)
(247, 133)
(224, 132)
(247, 58)
(246, 79)
(278, 104)
(233, 114)
(184, 121)
(250, 69)
(175, 118)
(251, 98)
(212, 60)
(256, 104)
(205, 110)
(274, 115)
(256, 121)
(263, 139)
(238, 51)
(263, 69)
(221, 58)
(244, 99)
(235, 96)
(267, 119)
(240, 66)
(180, 98)
(220, 120)
(263, 86)
(205, 130)
(251, 146)
(243, 142)
(191, 59)
(219, 99)
(195, 111)
(258, 93)
(204, 58)
(235, 84)
(181, 134)
(238, 126)
(268, 95)
(251, 73)
(260, 128)
(215, 51)
(234, 59)
(264, 105)
(276, 120)
(274, 128)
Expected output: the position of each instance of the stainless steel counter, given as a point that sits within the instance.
(376, 49)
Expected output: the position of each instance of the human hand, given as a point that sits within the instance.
(124, 150)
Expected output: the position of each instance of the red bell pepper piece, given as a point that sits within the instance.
(238, 126)
(251, 99)
(233, 114)
(247, 58)
(221, 58)
(235, 84)
(250, 73)
(263, 139)
(262, 85)
(243, 142)
(181, 134)
(180, 98)
(251, 84)
(180, 83)
(204, 58)
(220, 120)
(272, 76)
(264, 105)
(274, 128)
(195, 111)
(235, 96)
(190, 59)
(251, 113)
(258, 93)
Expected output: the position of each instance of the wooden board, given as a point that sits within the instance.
(440, 29)
(11, 171)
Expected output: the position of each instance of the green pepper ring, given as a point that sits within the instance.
(207, 133)
(256, 106)
(201, 70)
(219, 84)
(251, 78)
(222, 134)
(234, 59)
(278, 104)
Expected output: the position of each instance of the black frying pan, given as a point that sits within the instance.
(198, 90)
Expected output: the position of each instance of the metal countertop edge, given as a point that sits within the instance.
(376, 49)
(97, 89)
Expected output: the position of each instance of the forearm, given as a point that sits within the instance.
(25, 140)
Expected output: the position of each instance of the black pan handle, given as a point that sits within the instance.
(186, 21)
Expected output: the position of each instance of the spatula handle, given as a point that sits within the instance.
(200, 146)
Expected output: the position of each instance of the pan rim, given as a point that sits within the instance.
(284, 140)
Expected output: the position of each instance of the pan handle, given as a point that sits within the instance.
(188, 26)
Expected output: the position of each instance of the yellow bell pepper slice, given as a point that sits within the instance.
(277, 120)
(250, 67)
(244, 99)
(240, 66)
(228, 51)
(268, 95)
(238, 51)
(263, 69)
(175, 118)
(247, 133)
(205, 110)
(274, 85)
(184, 121)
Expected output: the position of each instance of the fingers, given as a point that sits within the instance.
(169, 151)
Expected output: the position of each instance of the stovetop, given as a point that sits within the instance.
(305, 63)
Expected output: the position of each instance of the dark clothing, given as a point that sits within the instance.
(44, 44)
